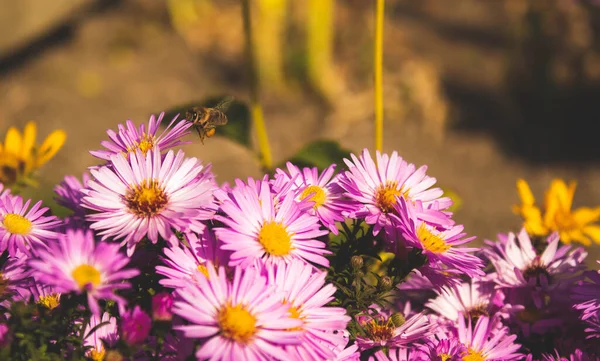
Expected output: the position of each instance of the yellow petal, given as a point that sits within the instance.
(525, 192)
(13, 141)
(51, 145)
(585, 215)
(578, 236)
(29, 134)
(593, 232)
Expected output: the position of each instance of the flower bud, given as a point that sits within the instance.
(162, 303)
(113, 355)
(135, 326)
(356, 262)
(398, 319)
(385, 283)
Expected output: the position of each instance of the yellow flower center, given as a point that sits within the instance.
(86, 274)
(97, 355)
(275, 239)
(50, 301)
(430, 241)
(146, 199)
(476, 312)
(473, 355)
(380, 330)
(444, 356)
(145, 144)
(202, 268)
(17, 224)
(315, 194)
(385, 196)
(236, 323)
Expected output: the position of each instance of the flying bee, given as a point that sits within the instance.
(206, 119)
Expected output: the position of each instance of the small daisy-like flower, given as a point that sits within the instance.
(375, 188)
(135, 326)
(486, 343)
(578, 225)
(471, 299)
(438, 245)
(44, 295)
(382, 329)
(305, 292)
(148, 196)
(184, 264)
(130, 139)
(15, 279)
(75, 264)
(517, 264)
(262, 227)
(69, 195)
(446, 349)
(243, 319)
(323, 191)
(105, 334)
(25, 230)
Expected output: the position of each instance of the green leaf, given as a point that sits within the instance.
(237, 128)
(320, 154)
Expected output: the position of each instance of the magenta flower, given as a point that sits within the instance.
(445, 349)
(397, 354)
(588, 295)
(323, 191)
(147, 196)
(440, 246)
(130, 139)
(22, 230)
(260, 228)
(243, 319)
(105, 334)
(15, 279)
(375, 187)
(44, 294)
(69, 195)
(381, 329)
(487, 343)
(304, 290)
(162, 304)
(184, 264)
(75, 264)
(135, 326)
(518, 265)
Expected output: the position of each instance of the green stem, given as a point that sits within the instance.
(257, 114)
(378, 74)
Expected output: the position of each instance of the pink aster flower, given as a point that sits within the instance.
(187, 263)
(304, 290)
(260, 227)
(518, 265)
(147, 196)
(382, 329)
(440, 246)
(397, 354)
(75, 264)
(15, 279)
(162, 304)
(588, 295)
(69, 195)
(323, 191)
(44, 294)
(345, 352)
(135, 326)
(487, 343)
(23, 230)
(445, 349)
(130, 139)
(375, 187)
(105, 334)
(242, 319)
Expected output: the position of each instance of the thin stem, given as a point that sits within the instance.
(378, 64)
(257, 113)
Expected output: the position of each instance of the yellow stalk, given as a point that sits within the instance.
(257, 114)
(269, 34)
(378, 81)
(319, 42)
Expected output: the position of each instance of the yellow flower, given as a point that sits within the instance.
(556, 215)
(20, 157)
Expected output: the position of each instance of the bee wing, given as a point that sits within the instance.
(224, 104)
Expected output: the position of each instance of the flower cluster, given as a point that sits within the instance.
(157, 261)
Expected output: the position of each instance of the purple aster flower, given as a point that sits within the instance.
(445, 350)
(345, 352)
(487, 343)
(44, 295)
(242, 319)
(588, 295)
(147, 196)
(15, 279)
(304, 290)
(323, 191)
(105, 334)
(374, 188)
(130, 139)
(438, 245)
(578, 355)
(187, 263)
(75, 264)
(69, 195)
(469, 299)
(382, 329)
(162, 304)
(23, 230)
(135, 326)
(398, 354)
(518, 265)
(258, 226)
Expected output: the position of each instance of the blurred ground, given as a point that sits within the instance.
(483, 115)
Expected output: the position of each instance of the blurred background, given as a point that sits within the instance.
(484, 92)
